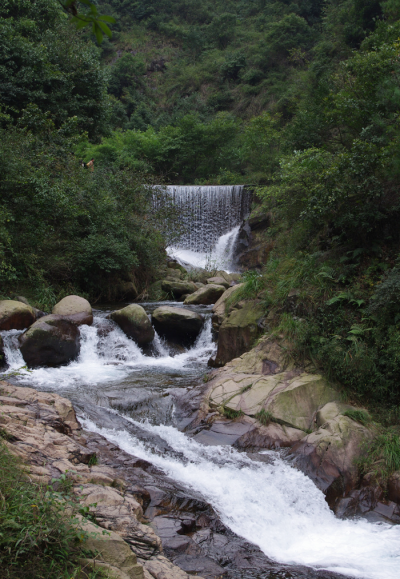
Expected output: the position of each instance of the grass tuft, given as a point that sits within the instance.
(264, 416)
(361, 416)
(382, 456)
(229, 413)
(40, 534)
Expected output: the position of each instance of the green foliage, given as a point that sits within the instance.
(361, 416)
(385, 302)
(90, 229)
(46, 63)
(383, 455)
(40, 535)
(231, 414)
(264, 416)
(89, 17)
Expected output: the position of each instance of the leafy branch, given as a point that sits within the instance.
(92, 17)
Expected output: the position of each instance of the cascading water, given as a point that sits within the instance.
(271, 505)
(210, 216)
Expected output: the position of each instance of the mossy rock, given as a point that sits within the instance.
(135, 323)
(15, 315)
(239, 331)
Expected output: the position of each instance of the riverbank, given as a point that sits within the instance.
(205, 452)
(129, 497)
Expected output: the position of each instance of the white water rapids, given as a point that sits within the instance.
(211, 217)
(272, 505)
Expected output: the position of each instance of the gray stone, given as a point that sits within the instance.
(177, 323)
(75, 309)
(206, 295)
(50, 341)
(217, 280)
(134, 322)
(178, 288)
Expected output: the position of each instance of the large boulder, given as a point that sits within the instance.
(134, 322)
(15, 315)
(205, 295)
(239, 331)
(329, 455)
(217, 280)
(178, 288)
(51, 341)
(177, 323)
(173, 274)
(220, 307)
(75, 309)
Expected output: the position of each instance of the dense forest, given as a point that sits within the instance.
(298, 99)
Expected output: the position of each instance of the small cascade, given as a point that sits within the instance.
(210, 216)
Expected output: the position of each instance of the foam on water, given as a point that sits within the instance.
(104, 357)
(221, 256)
(273, 506)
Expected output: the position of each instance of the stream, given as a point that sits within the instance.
(125, 394)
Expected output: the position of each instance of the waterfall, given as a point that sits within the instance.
(210, 216)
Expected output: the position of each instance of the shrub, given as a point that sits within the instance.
(40, 535)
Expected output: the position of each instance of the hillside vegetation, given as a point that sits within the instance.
(298, 99)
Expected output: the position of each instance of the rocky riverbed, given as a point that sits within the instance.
(198, 471)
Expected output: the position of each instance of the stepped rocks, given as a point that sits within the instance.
(238, 330)
(15, 315)
(260, 400)
(177, 323)
(205, 295)
(51, 341)
(135, 323)
(75, 309)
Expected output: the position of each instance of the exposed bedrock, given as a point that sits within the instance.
(135, 323)
(253, 246)
(261, 400)
(178, 324)
(51, 341)
(156, 528)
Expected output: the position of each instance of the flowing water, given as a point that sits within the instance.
(270, 504)
(211, 217)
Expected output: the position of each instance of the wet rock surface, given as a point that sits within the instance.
(51, 341)
(269, 404)
(178, 324)
(135, 323)
(239, 330)
(171, 532)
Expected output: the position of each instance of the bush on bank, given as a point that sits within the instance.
(40, 535)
